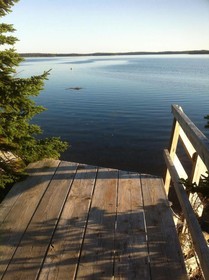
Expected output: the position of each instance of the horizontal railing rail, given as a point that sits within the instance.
(196, 146)
(199, 141)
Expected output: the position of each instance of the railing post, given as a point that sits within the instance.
(172, 151)
(198, 169)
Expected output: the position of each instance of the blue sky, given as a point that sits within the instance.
(85, 26)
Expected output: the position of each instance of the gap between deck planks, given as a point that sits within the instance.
(73, 221)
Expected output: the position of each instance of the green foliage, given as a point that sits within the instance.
(202, 187)
(34, 149)
(5, 6)
(10, 173)
(17, 134)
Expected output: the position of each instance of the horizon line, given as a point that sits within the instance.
(114, 53)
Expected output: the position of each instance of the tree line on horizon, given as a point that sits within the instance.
(111, 53)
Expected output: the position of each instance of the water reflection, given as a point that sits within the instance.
(121, 118)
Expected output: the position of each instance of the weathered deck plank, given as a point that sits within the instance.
(63, 254)
(74, 221)
(33, 246)
(97, 254)
(131, 261)
(166, 260)
(19, 206)
(35, 170)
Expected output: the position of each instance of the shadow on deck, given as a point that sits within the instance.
(73, 221)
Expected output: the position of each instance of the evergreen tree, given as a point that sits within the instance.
(17, 133)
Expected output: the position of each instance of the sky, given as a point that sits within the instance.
(87, 26)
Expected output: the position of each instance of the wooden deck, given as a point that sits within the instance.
(74, 221)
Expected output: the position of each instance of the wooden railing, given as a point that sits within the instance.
(196, 146)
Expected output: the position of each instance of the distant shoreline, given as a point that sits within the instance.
(112, 54)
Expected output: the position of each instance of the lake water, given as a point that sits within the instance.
(121, 117)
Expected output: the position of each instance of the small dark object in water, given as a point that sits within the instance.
(74, 88)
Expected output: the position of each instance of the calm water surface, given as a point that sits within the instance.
(121, 115)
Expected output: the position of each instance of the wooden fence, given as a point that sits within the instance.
(196, 146)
